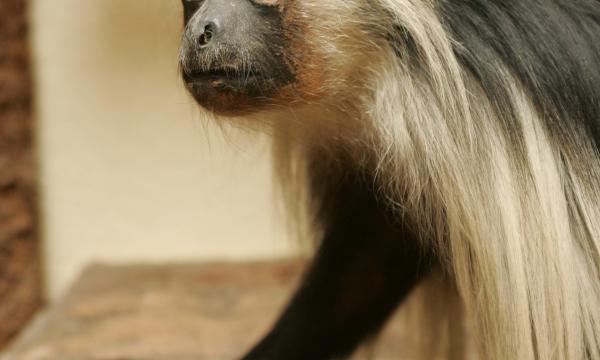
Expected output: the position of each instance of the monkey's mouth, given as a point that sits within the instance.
(229, 91)
(221, 79)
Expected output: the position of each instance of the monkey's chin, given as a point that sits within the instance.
(227, 97)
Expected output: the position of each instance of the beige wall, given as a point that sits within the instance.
(130, 172)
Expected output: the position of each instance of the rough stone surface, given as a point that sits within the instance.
(178, 312)
(19, 263)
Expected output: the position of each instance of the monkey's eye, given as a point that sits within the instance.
(189, 8)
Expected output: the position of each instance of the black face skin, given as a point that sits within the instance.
(232, 54)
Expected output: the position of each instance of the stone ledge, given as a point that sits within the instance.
(170, 312)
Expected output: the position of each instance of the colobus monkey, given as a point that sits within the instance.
(449, 145)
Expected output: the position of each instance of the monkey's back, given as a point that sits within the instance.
(551, 46)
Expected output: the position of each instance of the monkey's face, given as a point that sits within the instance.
(234, 54)
(243, 56)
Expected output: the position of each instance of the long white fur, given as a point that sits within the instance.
(516, 220)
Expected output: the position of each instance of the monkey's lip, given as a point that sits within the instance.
(226, 92)
(220, 78)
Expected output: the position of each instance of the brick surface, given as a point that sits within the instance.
(19, 262)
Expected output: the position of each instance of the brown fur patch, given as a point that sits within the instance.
(304, 60)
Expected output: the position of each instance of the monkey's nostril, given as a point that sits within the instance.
(207, 35)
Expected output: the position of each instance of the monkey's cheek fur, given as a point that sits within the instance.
(229, 97)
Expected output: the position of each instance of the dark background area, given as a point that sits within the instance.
(20, 282)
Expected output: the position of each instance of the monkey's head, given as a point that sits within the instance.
(243, 56)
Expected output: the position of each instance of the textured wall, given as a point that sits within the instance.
(19, 265)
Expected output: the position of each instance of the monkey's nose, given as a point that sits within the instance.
(207, 33)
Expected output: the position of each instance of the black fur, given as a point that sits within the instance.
(190, 7)
(367, 264)
(552, 46)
